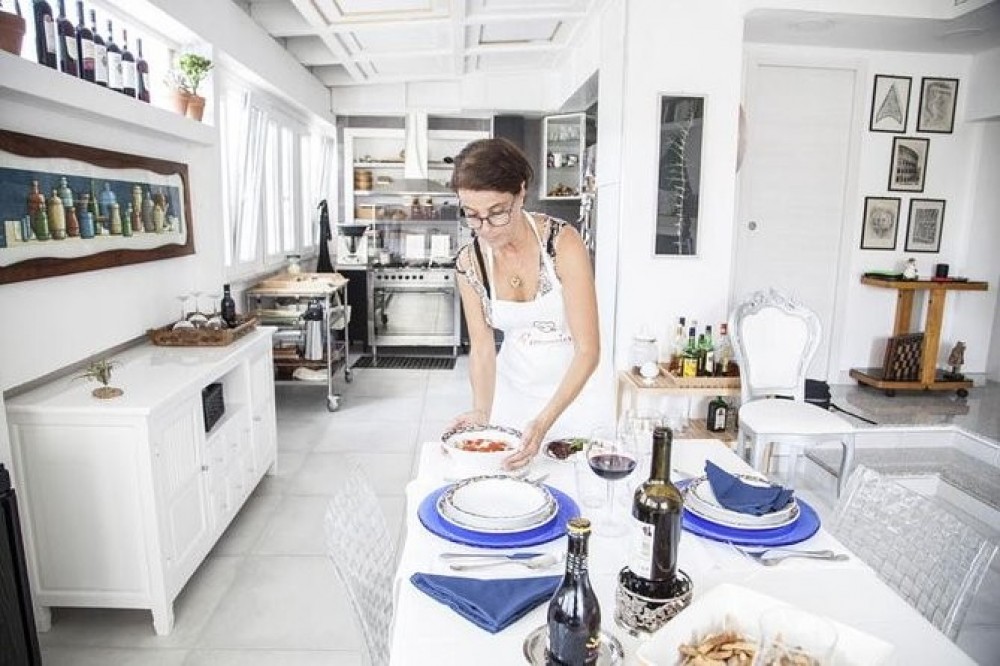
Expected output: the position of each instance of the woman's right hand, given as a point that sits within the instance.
(473, 417)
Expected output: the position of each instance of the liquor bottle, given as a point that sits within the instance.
(69, 58)
(677, 347)
(141, 74)
(100, 54)
(45, 34)
(227, 309)
(689, 360)
(718, 415)
(706, 354)
(84, 44)
(114, 61)
(723, 351)
(656, 506)
(129, 85)
(574, 617)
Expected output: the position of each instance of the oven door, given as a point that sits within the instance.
(414, 316)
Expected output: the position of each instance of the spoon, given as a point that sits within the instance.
(527, 555)
(539, 562)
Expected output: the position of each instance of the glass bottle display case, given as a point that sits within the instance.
(563, 139)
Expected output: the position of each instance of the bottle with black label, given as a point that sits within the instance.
(114, 61)
(100, 53)
(129, 85)
(84, 44)
(45, 34)
(718, 415)
(574, 617)
(141, 74)
(228, 307)
(69, 56)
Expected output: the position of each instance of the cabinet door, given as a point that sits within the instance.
(263, 431)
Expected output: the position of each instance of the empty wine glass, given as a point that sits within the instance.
(611, 457)
(183, 298)
(196, 295)
(637, 426)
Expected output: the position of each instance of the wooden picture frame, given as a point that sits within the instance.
(32, 248)
(880, 223)
(908, 168)
(924, 225)
(679, 153)
(890, 103)
(937, 105)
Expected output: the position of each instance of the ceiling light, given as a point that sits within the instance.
(813, 25)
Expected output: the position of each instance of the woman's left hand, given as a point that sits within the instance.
(531, 444)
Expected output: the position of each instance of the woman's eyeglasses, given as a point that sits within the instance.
(494, 220)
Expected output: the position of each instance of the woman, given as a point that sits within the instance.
(529, 276)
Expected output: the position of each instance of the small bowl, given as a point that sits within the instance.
(465, 446)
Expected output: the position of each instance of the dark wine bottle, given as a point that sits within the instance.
(84, 44)
(141, 74)
(228, 307)
(100, 53)
(45, 34)
(718, 415)
(574, 617)
(69, 56)
(114, 61)
(656, 507)
(128, 68)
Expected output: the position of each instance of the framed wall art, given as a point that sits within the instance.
(679, 175)
(890, 103)
(881, 220)
(923, 228)
(937, 105)
(67, 208)
(909, 164)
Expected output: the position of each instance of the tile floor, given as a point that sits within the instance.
(267, 595)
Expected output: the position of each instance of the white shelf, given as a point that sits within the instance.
(378, 192)
(43, 86)
(378, 165)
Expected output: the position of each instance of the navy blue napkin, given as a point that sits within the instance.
(737, 495)
(490, 604)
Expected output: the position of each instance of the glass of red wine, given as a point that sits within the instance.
(612, 457)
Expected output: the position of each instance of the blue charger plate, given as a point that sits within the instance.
(550, 531)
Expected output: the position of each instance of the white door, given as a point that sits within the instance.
(792, 187)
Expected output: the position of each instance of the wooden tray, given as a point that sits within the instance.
(700, 382)
(200, 337)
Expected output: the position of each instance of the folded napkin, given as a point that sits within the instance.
(490, 604)
(737, 495)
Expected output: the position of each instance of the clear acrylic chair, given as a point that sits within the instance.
(774, 340)
(363, 555)
(928, 555)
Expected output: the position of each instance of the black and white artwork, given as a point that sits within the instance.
(890, 103)
(923, 229)
(909, 164)
(937, 105)
(679, 175)
(881, 220)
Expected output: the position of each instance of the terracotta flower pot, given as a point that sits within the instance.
(196, 107)
(107, 392)
(11, 32)
(179, 100)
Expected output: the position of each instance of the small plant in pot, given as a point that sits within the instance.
(194, 68)
(12, 27)
(100, 371)
(179, 93)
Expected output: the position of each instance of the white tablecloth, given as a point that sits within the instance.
(427, 632)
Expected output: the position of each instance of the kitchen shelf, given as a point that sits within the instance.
(563, 138)
(403, 193)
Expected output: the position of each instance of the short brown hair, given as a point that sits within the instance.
(491, 164)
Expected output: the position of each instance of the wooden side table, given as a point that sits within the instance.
(630, 386)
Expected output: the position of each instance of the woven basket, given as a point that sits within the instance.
(167, 336)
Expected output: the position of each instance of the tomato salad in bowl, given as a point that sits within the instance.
(481, 448)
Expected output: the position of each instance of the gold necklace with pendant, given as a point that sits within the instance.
(515, 280)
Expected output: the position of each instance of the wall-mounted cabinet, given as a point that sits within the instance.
(563, 141)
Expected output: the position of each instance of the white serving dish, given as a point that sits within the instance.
(498, 504)
(481, 462)
(739, 608)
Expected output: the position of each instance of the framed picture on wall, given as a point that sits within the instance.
(909, 164)
(890, 103)
(881, 219)
(937, 105)
(678, 173)
(923, 229)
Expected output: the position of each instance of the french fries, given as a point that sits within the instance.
(727, 648)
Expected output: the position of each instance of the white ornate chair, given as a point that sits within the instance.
(363, 556)
(925, 553)
(774, 339)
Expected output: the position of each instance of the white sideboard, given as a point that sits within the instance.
(122, 499)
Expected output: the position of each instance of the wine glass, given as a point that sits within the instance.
(637, 426)
(196, 295)
(183, 298)
(612, 457)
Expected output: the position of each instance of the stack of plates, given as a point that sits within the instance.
(701, 501)
(497, 505)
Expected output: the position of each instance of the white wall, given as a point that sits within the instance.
(984, 245)
(984, 96)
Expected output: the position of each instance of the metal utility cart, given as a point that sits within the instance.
(282, 301)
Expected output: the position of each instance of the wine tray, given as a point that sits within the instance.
(167, 336)
(699, 382)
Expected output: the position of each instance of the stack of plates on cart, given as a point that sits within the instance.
(497, 505)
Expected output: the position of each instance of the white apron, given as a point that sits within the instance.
(536, 352)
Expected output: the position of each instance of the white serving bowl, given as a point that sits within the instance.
(457, 444)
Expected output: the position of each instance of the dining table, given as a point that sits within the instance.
(425, 631)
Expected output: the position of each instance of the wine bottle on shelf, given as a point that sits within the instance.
(718, 415)
(689, 361)
(677, 349)
(69, 58)
(45, 34)
(128, 68)
(114, 61)
(100, 53)
(651, 572)
(141, 74)
(723, 352)
(84, 44)
(706, 354)
(574, 616)
(227, 309)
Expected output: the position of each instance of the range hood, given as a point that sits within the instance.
(415, 172)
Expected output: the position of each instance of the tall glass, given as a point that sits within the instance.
(636, 425)
(612, 457)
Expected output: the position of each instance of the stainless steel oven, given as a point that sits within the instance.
(413, 306)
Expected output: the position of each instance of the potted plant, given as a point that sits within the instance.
(179, 94)
(194, 68)
(100, 371)
(11, 29)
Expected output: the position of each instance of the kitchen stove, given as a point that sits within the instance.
(413, 306)
(413, 278)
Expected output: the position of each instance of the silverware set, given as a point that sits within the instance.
(774, 556)
(530, 560)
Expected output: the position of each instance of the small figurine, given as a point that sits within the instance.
(956, 359)
(910, 270)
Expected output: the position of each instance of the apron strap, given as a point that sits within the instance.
(481, 266)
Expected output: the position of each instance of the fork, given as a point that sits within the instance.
(540, 562)
(763, 556)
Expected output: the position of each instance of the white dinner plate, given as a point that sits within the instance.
(701, 501)
(497, 503)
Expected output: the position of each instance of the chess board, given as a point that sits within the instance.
(902, 357)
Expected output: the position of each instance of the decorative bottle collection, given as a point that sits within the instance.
(701, 355)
